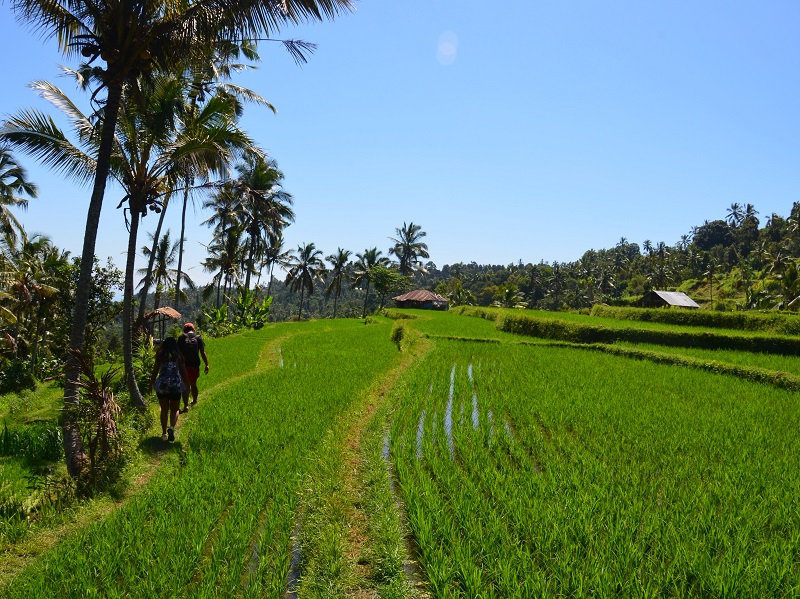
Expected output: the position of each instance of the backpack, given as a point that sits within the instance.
(191, 349)
(169, 380)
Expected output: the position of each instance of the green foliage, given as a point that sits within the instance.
(16, 376)
(215, 321)
(563, 330)
(774, 322)
(144, 359)
(35, 443)
(249, 311)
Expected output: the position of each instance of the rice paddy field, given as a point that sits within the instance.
(500, 467)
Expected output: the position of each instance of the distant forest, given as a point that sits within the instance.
(734, 263)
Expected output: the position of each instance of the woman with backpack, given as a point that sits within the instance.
(169, 374)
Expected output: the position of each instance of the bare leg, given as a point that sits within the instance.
(164, 403)
(194, 392)
(174, 408)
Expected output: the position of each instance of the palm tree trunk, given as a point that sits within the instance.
(366, 297)
(249, 266)
(127, 311)
(180, 243)
(269, 283)
(73, 446)
(335, 301)
(300, 313)
(148, 277)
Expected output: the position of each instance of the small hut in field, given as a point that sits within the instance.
(667, 299)
(422, 299)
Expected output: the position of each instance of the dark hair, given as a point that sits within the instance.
(169, 349)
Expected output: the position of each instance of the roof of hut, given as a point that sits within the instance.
(420, 295)
(676, 298)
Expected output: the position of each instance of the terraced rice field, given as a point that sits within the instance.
(499, 468)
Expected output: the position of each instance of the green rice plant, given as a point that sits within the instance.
(217, 518)
(535, 471)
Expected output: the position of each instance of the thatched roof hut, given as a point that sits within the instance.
(420, 298)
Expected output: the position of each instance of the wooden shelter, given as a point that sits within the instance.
(158, 318)
(422, 299)
(666, 299)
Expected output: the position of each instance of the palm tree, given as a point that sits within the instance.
(363, 270)
(224, 258)
(149, 151)
(735, 214)
(409, 249)
(135, 38)
(305, 267)
(207, 80)
(163, 275)
(340, 271)
(510, 297)
(266, 206)
(13, 181)
(274, 254)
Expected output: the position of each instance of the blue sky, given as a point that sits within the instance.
(522, 130)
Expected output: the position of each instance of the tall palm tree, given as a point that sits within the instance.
(224, 258)
(274, 255)
(163, 274)
(409, 249)
(305, 267)
(207, 80)
(363, 271)
(266, 206)
(339, 272)
(149, 150)
(135, 38)
(13, 182)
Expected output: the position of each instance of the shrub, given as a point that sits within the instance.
(37, 442)
(16, 376)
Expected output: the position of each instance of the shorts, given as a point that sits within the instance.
(193, 372)
(170, 396)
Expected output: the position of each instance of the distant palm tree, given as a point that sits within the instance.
(305, 268)
(340, 271)
(266, 206)
(409, 249)
(735, 214)
(510, 297)
(363, 270)
(163, 274)
(274, 255)
(13, 181)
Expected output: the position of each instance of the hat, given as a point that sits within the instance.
(188, 327)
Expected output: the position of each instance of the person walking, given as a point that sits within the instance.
(167, 378)
(192, 346)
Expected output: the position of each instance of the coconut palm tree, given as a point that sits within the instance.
(340, 271)
(735, 214)
(266, 207)
(13, 182)
(133, 39)
(163, 275)
(305, 267)
(409, 249)
(150, 150)
(274, 255)
(362, 270)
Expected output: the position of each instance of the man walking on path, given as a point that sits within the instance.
(192, 346)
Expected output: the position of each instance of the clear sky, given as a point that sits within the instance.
(519, 130)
